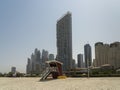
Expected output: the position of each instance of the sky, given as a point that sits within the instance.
(29, 24)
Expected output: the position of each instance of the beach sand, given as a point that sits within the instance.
(111, 83)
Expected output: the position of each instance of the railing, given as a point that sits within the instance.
(45, 73)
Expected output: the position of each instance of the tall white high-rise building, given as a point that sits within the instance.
(101, 54)
(107, 54)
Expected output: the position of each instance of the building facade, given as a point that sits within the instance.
(34, 64)
(87, 55)
(80, 60)
(29, 67)
(64, 41)
(13, 70)
(73, 64)
(44, 58)
(107, 54)
(51, 57)
(101, 53)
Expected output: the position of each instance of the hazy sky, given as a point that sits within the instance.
(29, 24)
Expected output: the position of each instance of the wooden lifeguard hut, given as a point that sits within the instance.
(54, 68)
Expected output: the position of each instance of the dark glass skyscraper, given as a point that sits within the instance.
(51, 56)
(64, 41)
(88, 56)
(80, 60)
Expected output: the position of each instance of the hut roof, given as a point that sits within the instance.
(106, 65)
(53, 61)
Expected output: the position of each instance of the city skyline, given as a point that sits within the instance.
(24, 25)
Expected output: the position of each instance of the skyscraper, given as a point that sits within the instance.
(107, 54)
(88, 56)
(101, 54)
(80, 60)
(29, 67)
(13, 70)
(73, 64)
(34, 63)
(64, 41)
(51, 56)
(114, 55)
(44, 58)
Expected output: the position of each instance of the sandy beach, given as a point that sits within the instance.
(60, 84)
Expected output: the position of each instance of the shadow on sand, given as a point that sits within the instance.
(48, 79)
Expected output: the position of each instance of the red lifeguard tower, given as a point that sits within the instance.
(54, 68)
